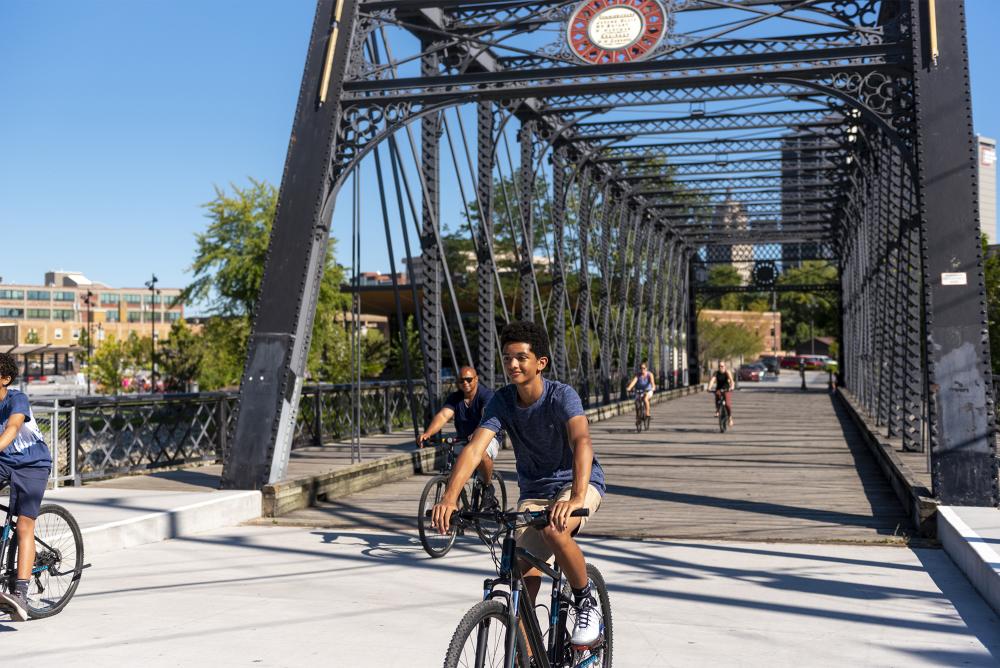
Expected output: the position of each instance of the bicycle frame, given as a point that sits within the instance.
(521, 611)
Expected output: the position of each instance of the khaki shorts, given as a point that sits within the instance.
(531, 539)
(491, 450)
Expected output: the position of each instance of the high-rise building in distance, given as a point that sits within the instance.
(986, 168)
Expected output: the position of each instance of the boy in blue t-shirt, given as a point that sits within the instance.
(25, 463)
(556, 467)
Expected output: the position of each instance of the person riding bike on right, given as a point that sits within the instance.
(722, 385)
(643, 382)
(466, 406)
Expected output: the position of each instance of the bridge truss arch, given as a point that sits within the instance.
(598, 176)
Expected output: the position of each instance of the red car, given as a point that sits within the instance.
(790, 362)
(752, 372)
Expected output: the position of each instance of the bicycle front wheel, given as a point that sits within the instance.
(723, 419)
(480, 639)
(58, 561)
(435, 544)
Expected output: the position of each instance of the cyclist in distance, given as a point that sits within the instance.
(466, 406)
(644, 382)
(722, 383)
(25, 463)
(556, 467)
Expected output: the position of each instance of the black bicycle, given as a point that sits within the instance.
(476, 496)
(722, 409)
(641, 416)
(503, 631)
(58, 559)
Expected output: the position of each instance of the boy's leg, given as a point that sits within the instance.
(25, 547)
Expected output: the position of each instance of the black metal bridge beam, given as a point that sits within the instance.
(963, 463)
(271, 384)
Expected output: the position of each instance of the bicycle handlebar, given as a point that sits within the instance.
(533, 518)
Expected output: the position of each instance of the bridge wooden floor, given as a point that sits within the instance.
(792, 469)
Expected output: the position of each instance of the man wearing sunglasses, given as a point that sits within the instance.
(466, 406)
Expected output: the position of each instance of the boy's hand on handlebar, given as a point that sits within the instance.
(441, 515)
(559, 513)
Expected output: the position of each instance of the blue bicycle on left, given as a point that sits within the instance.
(58, 559)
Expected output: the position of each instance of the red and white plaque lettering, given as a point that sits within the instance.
(616, 31)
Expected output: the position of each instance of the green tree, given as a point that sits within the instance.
(726, 341)
(32, 337)
(805, 314)
(138, 350)
(110, 361)
(221, 350)
(228, 270)
(179, 357)
(394, 366)
(991, 272)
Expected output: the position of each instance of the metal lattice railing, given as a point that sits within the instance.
(117, 435)
(325, 411)
(99, 437)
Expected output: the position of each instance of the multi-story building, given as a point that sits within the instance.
(986, 166)
(56, 313)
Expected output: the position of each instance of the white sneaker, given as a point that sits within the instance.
(587, 628)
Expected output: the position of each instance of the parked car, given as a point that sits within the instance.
(815, 362)
(752, 372)
(771, 363)
(789, 362)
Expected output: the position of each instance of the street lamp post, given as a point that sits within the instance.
(151, 284)
(90, 334)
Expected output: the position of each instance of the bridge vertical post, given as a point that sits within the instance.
(561, 363)
(693, 363)
(485, 269)
(604, 316)
(624, 236)
(664, 317)
(430, 255)
(583, 313)
(963, 466)
(526, 199)
(654, 281)
(271, 384)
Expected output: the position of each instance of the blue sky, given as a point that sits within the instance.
(117, 118)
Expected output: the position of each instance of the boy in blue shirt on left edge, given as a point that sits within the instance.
(25, 463)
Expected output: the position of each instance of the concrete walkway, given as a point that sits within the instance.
(793, 468)
(283, 596)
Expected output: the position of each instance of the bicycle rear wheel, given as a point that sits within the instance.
(58, 561)
(480, 639)
(435, 544)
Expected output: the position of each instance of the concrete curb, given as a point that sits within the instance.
(971, 553)
(224, 510)
(917, 500)
(287, 495)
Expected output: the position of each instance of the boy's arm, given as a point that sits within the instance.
(14, 423)
(466, 463)
(583, 461)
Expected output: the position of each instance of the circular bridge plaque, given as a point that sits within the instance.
(616, 31)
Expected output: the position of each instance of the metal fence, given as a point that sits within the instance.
(99, 437)
(57, 424)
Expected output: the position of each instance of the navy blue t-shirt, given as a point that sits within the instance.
(467, 417)
(28, 450)
(541, 442)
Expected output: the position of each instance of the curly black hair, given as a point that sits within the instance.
(8, 367)
(525, 331)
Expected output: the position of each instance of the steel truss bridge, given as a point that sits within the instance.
(597, 185)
